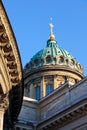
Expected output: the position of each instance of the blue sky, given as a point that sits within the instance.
(30, 22)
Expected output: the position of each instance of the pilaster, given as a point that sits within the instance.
(55, 82)
(32, 93)
(42, 88)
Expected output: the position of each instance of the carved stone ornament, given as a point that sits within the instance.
(4, 101)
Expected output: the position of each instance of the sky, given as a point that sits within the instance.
(30, 22)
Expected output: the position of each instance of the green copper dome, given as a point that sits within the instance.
(53, 55)
(51, 67)
(51, 50)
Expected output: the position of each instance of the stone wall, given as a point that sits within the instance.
(29, 111)
(62, 98)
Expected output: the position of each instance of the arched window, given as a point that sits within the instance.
(71, 62)
(48, 60)
(49, 88)
(36, 62)
(67, 61)
(37, 92)
(61, 60)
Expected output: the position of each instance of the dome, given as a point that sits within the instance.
(51, 50)
(49, 68)
(52, 54)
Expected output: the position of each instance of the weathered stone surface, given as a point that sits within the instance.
(63, 109)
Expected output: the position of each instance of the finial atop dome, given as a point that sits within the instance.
(51, 30)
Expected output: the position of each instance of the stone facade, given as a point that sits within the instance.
(51, 75)
(63, 109)
(55, 89)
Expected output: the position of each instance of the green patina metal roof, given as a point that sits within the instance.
(53, 55)
(52, 50)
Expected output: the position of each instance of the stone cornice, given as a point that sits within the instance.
(52, 70)
(68, 115)
(10, 66)
(53, 67)
(9, 49)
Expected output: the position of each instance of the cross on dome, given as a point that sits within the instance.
(51, 30)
